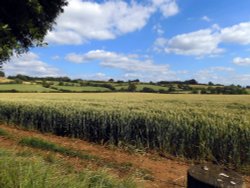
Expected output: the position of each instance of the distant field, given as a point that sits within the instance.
(192, 126)
(139, 87)
(4, 80)
(204, 86)
(154, 87)
(83, 88)
(24, 88)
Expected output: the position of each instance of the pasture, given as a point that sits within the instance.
(24, 88)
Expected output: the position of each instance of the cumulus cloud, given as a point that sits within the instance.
(241, 61)
(131, 64)
(205, 42)
(239, 34)
(29, 64)
(118, 61)
(87, 20)
(198, 43)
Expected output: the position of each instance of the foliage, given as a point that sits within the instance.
(171, 88)
(106, 85)
(132, 87)
(148, 90)
(196, 127)
(29, 78)
(226, 90)
(46, 84)
(23, 24)
(192, 81)
(2, 74)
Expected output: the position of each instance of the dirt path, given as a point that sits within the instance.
(165, 172)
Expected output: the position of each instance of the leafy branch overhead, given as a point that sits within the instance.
(24, 24)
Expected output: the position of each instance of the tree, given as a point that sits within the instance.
(192, 81)
(210, 83)
(111, 80)
(132, 87)
(171, 88)
(148, 90)
(24, 24)
(2, 74)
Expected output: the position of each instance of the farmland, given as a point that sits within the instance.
(199, 127)
(81, 89)
(141, 86)
(24, 88)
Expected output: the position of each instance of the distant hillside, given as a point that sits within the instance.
(23, 83)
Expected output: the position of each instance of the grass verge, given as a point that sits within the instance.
(26, 172)
(49, 146)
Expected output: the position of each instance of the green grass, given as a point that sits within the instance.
(49, 146)
(203, 86)
(24, 88)
(34, 172)
(81, 89)
(154, 87)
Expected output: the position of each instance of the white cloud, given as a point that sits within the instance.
(118, 61)
(29, 64)
(198, 43)
(205, 42)
(167, 7)
(206, 18)
(64, 37)
(131, 64)
(75, 58)
(222, 75)
(239, 34)
(87, 20)
(241, 61)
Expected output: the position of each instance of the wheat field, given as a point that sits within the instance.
(210, 127)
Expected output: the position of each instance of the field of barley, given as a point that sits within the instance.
(210, 127)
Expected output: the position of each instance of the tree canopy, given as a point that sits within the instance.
(2, 74)
(24, 23)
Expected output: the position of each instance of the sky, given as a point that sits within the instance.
(150, 40)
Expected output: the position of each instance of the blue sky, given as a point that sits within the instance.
(151, 40)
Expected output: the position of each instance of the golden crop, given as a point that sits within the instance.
(214, 127)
